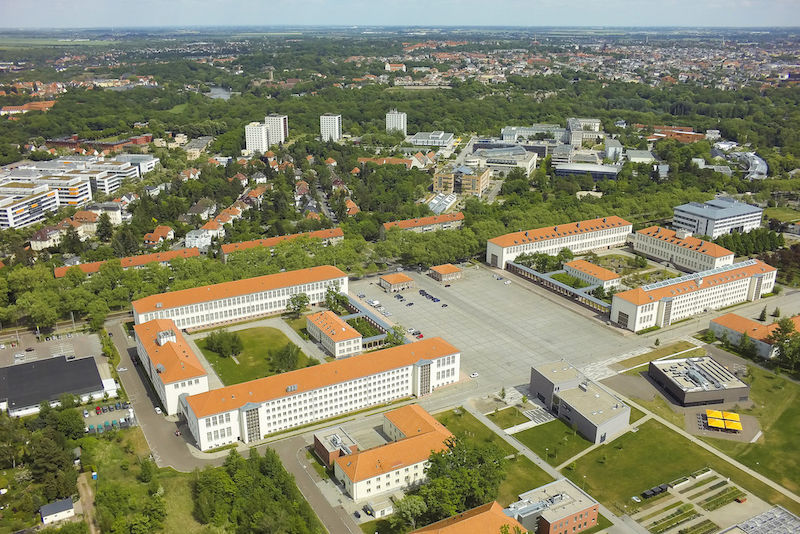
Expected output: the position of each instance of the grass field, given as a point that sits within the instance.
(507, 418)
(777, 407)
(636, 414)
(364, 327)
(571, 281)
(298, 325)
(254, 361)
(521, 475)
(661, 407)
(555, 442)
(608, 469)
(463, 424)
(782, 214)
(178, 108)
(660, 352)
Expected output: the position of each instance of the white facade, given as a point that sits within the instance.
(437, 138)
(681, 249)
(23, 204)
(397, 121)
(281, 402)
(256, 137)
(145, 162)
(717, 217)
(278, 126)
(593, 276)
(238, 300)
(666, 302)
(198, 238)
(330, 127)
(336, 336)
(582, 236)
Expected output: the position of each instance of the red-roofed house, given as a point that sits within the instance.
(733, 327)
(132, 262)
(352, 207)
(159, 235)
(447, 221)
(681, 249)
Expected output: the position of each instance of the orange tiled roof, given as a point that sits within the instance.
(387, 161)
(177, 358)
(311, 378)
(423, 435)
(446, 268)
(272, 241)
(246, 286)
(639, 296)
(488, 518)
(424, 221)
(690, 242)
(352, 207)
(561, 230)
(333, 326)
(133, 261)
(85, 217)
(157, 235)
(592, 270)
(396, 278)
(754, 329)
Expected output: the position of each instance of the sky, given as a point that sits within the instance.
(180, 13)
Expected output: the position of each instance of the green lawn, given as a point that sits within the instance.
(298, 325)
(508, 417)
(554, 441)
(364, 327)
(660, 352)
(782, 214)
(636, 414)
(463, 424)
(570, 280)
(521, 475)
(178, 108)
(254, 361)
(777, 407)
(627, 466)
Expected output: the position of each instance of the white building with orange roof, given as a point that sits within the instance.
(592, 274)
(171, 365)
(581, 236)
(329, 236)
(339, 338)
(663, 303)
(394, 282)
(488, 517)
(254, 409)
(681, 249)
(733, 327)
(240, 299)
(397, 465)
(445, 273)
(446, 221)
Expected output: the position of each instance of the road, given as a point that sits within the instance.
(87, 501)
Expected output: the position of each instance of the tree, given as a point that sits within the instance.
(335, 301)
(98, 311)
(763, 315)
(287, 358)
(746, 346)
(709, 336)
(777, 312)
(224, 343)
(408, 511)
(71, 242)
(297, 304)
(782, 338)
(105, 229)
(396, 336)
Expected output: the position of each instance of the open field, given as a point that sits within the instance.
(776, 404)
(508, 417)
(462, 424)
(782, 214)
(555, 442)
(255, 359)
(660, 352)
(521, 475)
(608, 469)
(298, 325)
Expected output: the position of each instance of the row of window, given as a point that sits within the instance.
(182, 385)
(219, 434)
(591, 240)
(218, 419)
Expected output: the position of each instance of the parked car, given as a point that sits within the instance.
(105, 409)
(410, 304)
(357, 514)
(29, 349)
(158, 410)
(86, 413)
(410, 330)
(118, 406)
(447, 285)
(444, 305)
(436, 300)
(420, 336)
(97, 410)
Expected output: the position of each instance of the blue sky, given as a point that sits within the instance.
(113, 13)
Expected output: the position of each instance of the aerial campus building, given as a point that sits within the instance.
(592, 274)
(596, 414)
(717, 217)
(249, 411)
(334, 334)
(697, 381)
(582, 236)
(663, 303)
(557, 507)
(330, 127)
(733, 327)
(397, 121)
(238, 300)
(330, 236)
(681, 249)
(489, 517)
(447, 221)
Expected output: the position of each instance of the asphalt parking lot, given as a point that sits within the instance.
(77, 345)
(501, 329)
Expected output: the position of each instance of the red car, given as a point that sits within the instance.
(420, 336)
(97, 410)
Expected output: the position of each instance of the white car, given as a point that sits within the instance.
(121, 369)
(410, 330)
(158, 410)
(507, 282)
(473, 375)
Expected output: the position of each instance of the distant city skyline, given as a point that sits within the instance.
(533, 13)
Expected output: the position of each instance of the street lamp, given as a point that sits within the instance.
(584, 482)
(547, 454)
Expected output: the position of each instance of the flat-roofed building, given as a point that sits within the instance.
(445, 273)
(123, 169)
(240, 299)
(503, 159)
(73, 190)
(446, 221)
(697, 381)
(776, 520)
(594, 412)
(581, 236)
(278, 125)
(256, 137)
(339, 338)
(331, 443)
(23, 204)
(596, 171)
(555, 508)
(397, 121)
(681, 249)
(488, 518)
(464, 181)
(145, 162)
(733, 327)
(399, 464)
(131, 262)
(593, 274)
(394, 282)
(666, 302)
(717, 217)
(437, 138)
(171, 365)
(249, 411)
(613, 149)
(330, 236)
(330, 127)
(639, 156)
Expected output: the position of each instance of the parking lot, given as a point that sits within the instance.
(502, 327)
(93, 419)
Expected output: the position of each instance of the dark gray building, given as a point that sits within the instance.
(697, 381)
